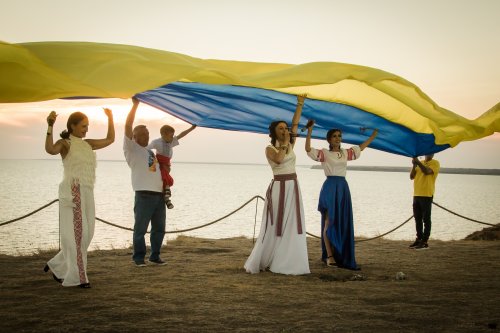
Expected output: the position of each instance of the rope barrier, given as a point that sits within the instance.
(467, 218)
(29, 214)
(256, 197)
(369, 239)
(193, 228)
(255, 220)
(388, 232)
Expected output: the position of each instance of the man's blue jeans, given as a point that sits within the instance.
(149, 206)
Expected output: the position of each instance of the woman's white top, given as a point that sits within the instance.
(80, 162)
(287, 166)
(334, 163)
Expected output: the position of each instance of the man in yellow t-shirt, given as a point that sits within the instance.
(424, 174)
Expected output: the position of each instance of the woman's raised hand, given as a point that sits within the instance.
(370, 139)
(135, 101)
(287, 138)
(301, 98)
(310, 124)
(51, 118)
(108, 112)
(374, 133)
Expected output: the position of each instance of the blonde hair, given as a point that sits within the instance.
(166, 129)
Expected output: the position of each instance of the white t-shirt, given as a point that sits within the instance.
(146, 175)
(335, 163)
(164, 148)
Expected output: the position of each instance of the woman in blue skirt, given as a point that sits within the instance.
(337, 238)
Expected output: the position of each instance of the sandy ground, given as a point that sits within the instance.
(451, 287)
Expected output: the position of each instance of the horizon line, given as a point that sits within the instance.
(315, 166)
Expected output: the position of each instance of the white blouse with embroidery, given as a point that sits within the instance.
(335, 163)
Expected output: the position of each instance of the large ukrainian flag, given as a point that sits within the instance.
(242, 96)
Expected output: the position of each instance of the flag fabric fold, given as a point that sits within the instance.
(242, 96)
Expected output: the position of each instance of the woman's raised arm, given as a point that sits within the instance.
(110, 137)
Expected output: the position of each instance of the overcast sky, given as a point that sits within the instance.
(449, 48)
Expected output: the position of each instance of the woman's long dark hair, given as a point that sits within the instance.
(73, 119)
(329, 135)
(272, 132)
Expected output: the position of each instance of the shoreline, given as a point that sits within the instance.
(489, 233)
(204, 288)
(454, 171)
(458, 171)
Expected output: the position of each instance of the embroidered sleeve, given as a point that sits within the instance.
(316, 155)
(353, 153)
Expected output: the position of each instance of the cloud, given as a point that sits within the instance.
(20, 120)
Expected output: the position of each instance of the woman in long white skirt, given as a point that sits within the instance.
(76, 196)
(281, 246)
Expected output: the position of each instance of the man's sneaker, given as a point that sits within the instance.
(140, 264)
(422, 246)
(158, 262)
(415, 244)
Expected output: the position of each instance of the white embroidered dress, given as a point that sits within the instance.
(287, 253)
(76, 213)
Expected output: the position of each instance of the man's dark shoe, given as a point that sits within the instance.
(415, 244)
(140, 263)
(422, 246)
(158, 262)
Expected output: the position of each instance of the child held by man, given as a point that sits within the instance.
(164, 151)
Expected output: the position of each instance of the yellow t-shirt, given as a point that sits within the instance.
(424, 185)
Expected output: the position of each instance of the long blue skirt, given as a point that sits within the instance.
(335, 200)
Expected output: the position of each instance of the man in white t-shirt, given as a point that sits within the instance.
(149, 205)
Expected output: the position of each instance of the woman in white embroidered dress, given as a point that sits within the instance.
(337, 238)
(76, 196)
(281, 246)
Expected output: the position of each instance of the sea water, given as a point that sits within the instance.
(203, 193)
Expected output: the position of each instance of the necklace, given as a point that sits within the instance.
(339, 153)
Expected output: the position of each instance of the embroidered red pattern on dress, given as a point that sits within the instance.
(350, 154)
(77, 227)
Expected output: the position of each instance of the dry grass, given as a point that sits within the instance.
(452, 287)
